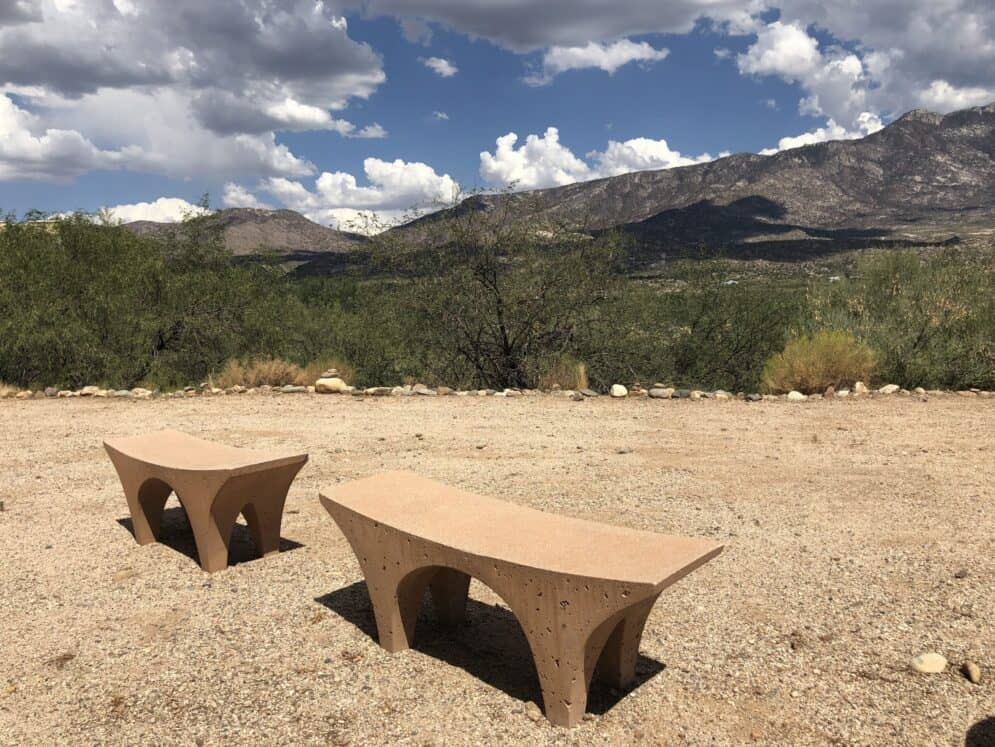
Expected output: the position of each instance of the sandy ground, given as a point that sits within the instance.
(849, 527)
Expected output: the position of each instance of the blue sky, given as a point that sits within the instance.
(337, 107)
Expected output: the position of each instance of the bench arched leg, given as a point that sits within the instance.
(560, 664)
(212, 532)
(146, 503)
(617, 665)
(396, 603)
(450, 589)
(265, 495)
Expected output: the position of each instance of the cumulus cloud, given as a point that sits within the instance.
(231, 72)
(440, 116)
(527, 26)
(867, 124)
(440, 66)
(30, 150)
(163, 210)
(607, 57)
(941, 96)
(543, 161)
(338, 199)
(237, 196)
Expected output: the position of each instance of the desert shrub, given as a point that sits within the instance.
(491, 297)
(255, 372)
(566, 372)
(931, 319)
(813, 364)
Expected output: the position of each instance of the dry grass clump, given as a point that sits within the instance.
(566, 372)
(812, 364)
(256, 372)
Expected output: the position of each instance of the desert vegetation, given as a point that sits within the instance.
(492, 302)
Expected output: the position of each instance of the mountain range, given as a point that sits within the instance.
(926, 178)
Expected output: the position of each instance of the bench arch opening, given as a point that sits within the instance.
(448, 588)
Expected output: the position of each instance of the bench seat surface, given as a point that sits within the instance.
(174, 450)
(521, 535)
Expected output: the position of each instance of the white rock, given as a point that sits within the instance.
(619, 391)
(795, 396)
(88, 391)
(860, 388)
(929, 663)
(331, 385)
(889, 389)
(722, 394)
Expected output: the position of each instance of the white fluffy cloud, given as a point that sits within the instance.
(941, 96)
(237, 196)
(163, 210)
(440, 66)
(392, 189)
(543, 161)
(867, 124)
(31, 150)
(608, 57)
(185, 88)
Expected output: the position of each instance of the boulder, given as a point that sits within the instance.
(331, 385)
(51, 391)
(754, 397)
(721, 394)
(661, 393)
(619, 391)
(589, 392)
(860, 388)
(795, 396)
(89, 391)
(123, 394)
(443, 391)
(889, 389)
(681, 394)
(26, 394)
(291, 389)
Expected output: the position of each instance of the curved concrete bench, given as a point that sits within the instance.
(580, 590)
(214, 484)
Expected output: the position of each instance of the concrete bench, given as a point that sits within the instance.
(580, 590)
(213, 482)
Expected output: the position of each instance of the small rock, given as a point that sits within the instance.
(830, 392)
(443, 391)
(533, 712)
(962, 573)
(662, 393)
(589, 392)
(51, 391)
(291, 389)
(696, 395)
(123, 394)
(577, 397)
(753, 398)
(331, 373)
(972, 671)
(88, 391)
(795, 396)
(26, 394)
(379, 391)
(860, 388)
(889, 389)
(124, 575)
(331, 385)
(919, 390)
(681, 394)
(722, 394)
(619, 391)
(929, 663)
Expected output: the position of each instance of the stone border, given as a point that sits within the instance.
(336, 386)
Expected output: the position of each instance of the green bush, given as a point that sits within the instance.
(813, 364)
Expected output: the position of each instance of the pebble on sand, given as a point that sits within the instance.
(929, 663)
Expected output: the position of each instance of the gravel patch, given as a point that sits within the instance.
(859, 534)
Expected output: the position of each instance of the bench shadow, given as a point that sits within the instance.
(490, 645)
(982, 734)
(175, 532)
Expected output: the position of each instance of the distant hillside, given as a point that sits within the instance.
(924, 178)
(249, 231)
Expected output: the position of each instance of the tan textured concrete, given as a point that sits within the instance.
(581, 590)
(213, 482)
